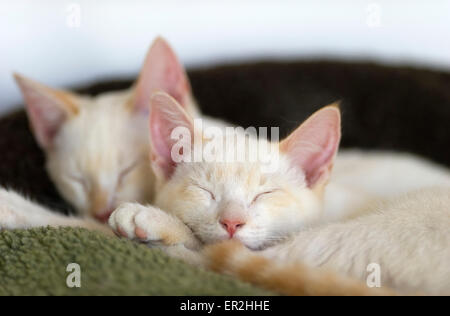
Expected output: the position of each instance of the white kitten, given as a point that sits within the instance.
(97, 147)
(245, 202)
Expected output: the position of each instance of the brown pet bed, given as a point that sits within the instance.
(398, 108)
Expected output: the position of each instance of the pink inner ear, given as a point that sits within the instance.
(46, 122)
(161, 145)
(316, 165)
(313, 146)
(162, 71)
(46, 111)
(165, 115)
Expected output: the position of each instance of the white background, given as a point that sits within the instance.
(63, 43)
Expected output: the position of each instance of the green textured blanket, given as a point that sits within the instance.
(34, 262)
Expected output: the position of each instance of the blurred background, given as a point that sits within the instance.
(67, 43)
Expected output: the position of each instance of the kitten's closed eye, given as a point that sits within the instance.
(122, 175)
(79, 180)
(213, 197)
(126, 171)
(262, 194)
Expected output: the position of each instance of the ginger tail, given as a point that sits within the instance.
(231, 257)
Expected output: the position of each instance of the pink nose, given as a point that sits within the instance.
(103, 217)
(231, 226)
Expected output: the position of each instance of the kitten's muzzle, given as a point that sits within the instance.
(102, 203)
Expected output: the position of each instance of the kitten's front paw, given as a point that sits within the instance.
(144, 223)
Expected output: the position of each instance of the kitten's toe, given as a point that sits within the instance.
(121, 232)
(151, 225)
(122, 220)
(140, 233)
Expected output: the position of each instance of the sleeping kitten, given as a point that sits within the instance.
(209, 201)
(97, 147)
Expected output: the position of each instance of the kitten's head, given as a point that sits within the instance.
(97, 147)
(244, 200)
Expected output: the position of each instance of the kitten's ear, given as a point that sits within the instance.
(47, 109)
(313, 146)
(161, 71)
(166, 115)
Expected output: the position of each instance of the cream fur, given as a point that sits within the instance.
(99, 158)
(359, 177)
(97, 147)
(17, 212)
(408, 236)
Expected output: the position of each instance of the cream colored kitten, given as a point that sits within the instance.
(97, 147)
(208, 201)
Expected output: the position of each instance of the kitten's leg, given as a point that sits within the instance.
(152, 225)
(16, 212)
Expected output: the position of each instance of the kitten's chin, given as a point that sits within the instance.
(254, 246)
(251, 245)
(258, 245)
